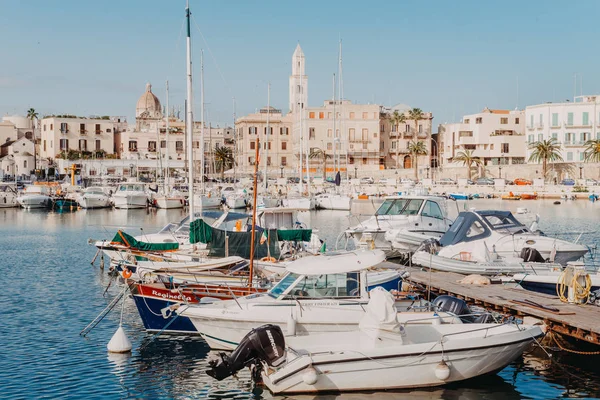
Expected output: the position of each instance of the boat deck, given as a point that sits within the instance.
(577, 321)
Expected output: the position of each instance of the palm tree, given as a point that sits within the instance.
(417, 149)
(416, 115)
(396, 119)
(544, 151)
(33, 115)
(468, 159)
(592, 151)
(316, 152)
(223, 158)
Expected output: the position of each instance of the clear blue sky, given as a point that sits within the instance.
(448, 57)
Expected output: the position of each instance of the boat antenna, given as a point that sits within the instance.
(268, 129)
(166, 180)
(252, 245)
(190, 116)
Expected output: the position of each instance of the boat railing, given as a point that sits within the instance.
(486, 329)
(441, 317)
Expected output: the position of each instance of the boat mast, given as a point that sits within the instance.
(268, 132)
(252, 246)
(307, 138)
(301, 142)
(341, 97)
(202, 172)
(189, 115)
(235, 144)
(334, 133)
(167, 142)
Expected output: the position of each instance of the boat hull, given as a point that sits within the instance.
(130, 201)
(90, 202)
(35, 201)
(170, 202)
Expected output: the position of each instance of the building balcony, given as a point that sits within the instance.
(98, 132)
(64, 131)
(133, 150)
(540, 126)
(574, 143)
(82, 132)
(530, 127)
(399, 151)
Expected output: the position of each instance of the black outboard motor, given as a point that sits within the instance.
(265, 343)
(460, 308)
(430, 246)
(529, 254)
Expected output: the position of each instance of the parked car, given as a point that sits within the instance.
(386, 181)
(591, 182)
(484, 181)
(523, 181)
(367, 180)
(568, 182)
(407, 181)
(470, 182)
(508, 182)
(446, 181)
(293, 179)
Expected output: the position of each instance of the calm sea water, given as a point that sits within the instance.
(50, 292)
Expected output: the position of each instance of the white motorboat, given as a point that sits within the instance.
(170, 200)
(307, 203)
(35, 196)
(492, 242)
(94, 197)
(235, 198)
(380, 353)
(208, 200)
(8, 195)
(551, 281)
(267, 201)
(325, 293)
(131, 195)
(331, 201)
(402, 223)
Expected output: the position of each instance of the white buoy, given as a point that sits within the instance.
(442, 371)
(310, 376)
(119, 343)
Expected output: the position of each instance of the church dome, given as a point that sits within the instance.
(148, 106)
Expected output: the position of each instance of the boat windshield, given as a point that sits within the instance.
(400, 207)
(169, 228)
(283, 285)
(505, 223)
(326, 286)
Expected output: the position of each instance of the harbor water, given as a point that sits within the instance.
(51, 292)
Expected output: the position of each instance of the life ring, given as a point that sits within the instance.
(127, 273)
(268, 259)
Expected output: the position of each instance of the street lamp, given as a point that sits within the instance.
(427, 171)
(281, 168)
(355, 172)
(500, 171)
(580, 171)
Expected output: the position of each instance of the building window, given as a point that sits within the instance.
(82, 129)
(531, 121)
(98, 130)
(352, 134)
(107, 130)
(570, 119)
(465, 133)
(82, 145)
(252, 145)
(270, 130)
(581, 156)
(24, 163)
(365, 134)
(504, 148)
(163, 144)
(351, 115)
(132, 145)
(420, 128)
(283, 161)
(467, 120)
(504, 121)
(44, 127)
(478, 120)
(470, 146)
(64, 127)
(394, 145)
(517, 121)
(311, 133)
(329, 132)
(518, 160)
(283, 145)
(311, 115)
(252, 130)
(179, 146)
(329, 115)
(329, 146)
(540, 137)
(586, 119)
(407, 128)
(44, 145)
(98, 145)
(569, 156)
(265, 145)
(365, 115)
(321, 115)
(554, 119)
(554, 135)
(152, 146)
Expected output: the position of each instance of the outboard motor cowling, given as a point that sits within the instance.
(530, 254)
(453, 305)
(265, 343)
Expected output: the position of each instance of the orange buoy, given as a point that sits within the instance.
(127, 273)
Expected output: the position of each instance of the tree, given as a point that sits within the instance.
(223, 158)
(33, 116)
(416, 115)
(544, 151)
(396, 119)
(316, 152)
(416, 149)
(592, 151)
(468, 159)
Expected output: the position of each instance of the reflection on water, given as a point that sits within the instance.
(54, 292)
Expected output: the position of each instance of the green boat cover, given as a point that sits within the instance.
(130, 241)
(295, 235)
(239, 242)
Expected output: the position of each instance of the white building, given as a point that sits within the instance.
(92, 135)
(494, 136)
(17, 157)
(570, 123)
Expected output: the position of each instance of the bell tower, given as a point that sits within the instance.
(298, 82)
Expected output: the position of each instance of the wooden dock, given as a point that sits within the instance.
(577, 321)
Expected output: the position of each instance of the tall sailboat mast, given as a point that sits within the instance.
(307, 136)
(202, 172)
(189, 115)
(267, 134)
(167, 181)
